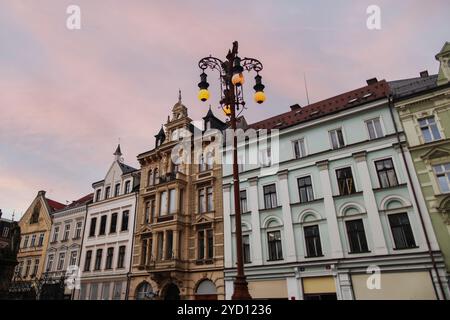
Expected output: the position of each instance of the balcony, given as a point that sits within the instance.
(168, 178)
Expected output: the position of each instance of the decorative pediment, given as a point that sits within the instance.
(435, 153)
(143, 229)
(202, 219)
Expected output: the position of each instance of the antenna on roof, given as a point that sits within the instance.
(306, 88)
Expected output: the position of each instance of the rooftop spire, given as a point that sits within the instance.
(118, 153)
(179, 95)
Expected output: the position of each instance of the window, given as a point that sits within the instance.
(66, 232)
(41, 240)
(209, 160)
(243, 197)
(105, 291)
(127, 187)
(336, 138)
(87, 261)
(25, 241)
(374, 128)
(78, 228)
(102, 225)
(274, 243)
(55, 234)
(205, 245)
(92, 227)
(50, 259)
(113, 224)
(386, 173)
(155, 176)
(299, 148)
(121, 259)
(442, 172)
(35, 268)
(94, 291)
(209, 199)
(143, 291)
(201, 245)
(210, 244)
(33, 241)
(163, 204)
(5, 232)
(169, 245)
(345, 181)
(147, 212)
(117, 190)
(150, 178)
(117, 291)
(401, 231)
(73, 258)
(172, 201)
(356, 236)
(246, 248)
(205, 199)
(144, 249)
(265, 157)
(98, 194)
(20, 268)
(270, 196)
(27, 268)
(107, 191)
(125, 217)
(61, 260)
(312, 241)
(152, 209)
(109, 258)
(305, 189)
(201, 200)
(98, 259)
(430, 131)
(159, 252)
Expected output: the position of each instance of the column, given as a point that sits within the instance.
(255, 247)
(175, 244)
(165, 257)
(330, 210)
(154, 245)
(149, 250)
(293, 288)
(287, 216)
(379, 242)
(227, 226)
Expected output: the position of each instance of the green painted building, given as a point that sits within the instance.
(423, 105)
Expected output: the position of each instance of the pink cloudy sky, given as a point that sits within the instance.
(67, 96)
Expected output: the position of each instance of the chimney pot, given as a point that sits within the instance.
(424, 74)
(41, 193)
(371, 81)
(295, 107)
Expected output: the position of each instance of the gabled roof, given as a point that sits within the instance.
(126, 168)
(332, 105)
(54, 205)
(405, 87)
(82, 201)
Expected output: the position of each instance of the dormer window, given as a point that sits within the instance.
(97, 195)
(35, 216)
(107, 192)
(127, 187)
(117, 190)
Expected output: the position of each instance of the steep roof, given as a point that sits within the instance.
(126, 168)
(82, 201)
(405, 87)
(54, 205)
(371, 92)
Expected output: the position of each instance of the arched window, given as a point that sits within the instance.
(206, 290)
(150, 177)
(155, 176)
(144, 291)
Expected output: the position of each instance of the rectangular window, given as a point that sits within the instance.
(78, 229)
(305, 189)
(345, 181)
(27, 268)
(93, 227)
(159, 253)
(265, 157)
(442, 172)
(50, 259)
(25, 241)
(98, 194)
(109, 258)
(33, 240)
(127, 187)
(356, 236)
(336, 138)
(169, 245)
(117, 190)
(163, 204)
(61, 260)
(209, 244)
(386, 173)
(117, 291)
(73, 258)
(66, 232)
(113, 224)
(201, 245)
(105, 291)
(94, 291)
(147, 213)
(125, 218)
(430, 131)
(35, 268)
(243, 197)
(172, 201)
(209, 199)
(144, 249)
(205, 244)
(5, 232)
(98, 259)
(41, 240)
(270, 196)
(107, 192)
(374, 128)
(121, 258)
(55, 234)
(299, 148)
(274, 244)
(201, 200)
(82, 295)
(102, 230)
(312, 241)
(87, 261)
(20, 268)
(246, 248)
(152, 209)
(401, 231)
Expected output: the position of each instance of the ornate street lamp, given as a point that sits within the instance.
(232, 103)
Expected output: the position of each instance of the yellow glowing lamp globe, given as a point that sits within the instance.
(227, 110)
(203, 95)
(260, 97)
(238, 79)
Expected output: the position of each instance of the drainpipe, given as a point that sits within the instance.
(127, 292)
(427, 239)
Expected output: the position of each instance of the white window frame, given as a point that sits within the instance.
(303, 139)
(331, 140)
(366, 122)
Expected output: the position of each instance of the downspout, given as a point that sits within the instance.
(427, 239)
(127, 292)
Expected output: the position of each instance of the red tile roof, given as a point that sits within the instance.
(54, 205)
(319, 109)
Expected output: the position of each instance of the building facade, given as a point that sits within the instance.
(424, 107)
(330, 205)
(108, 236)
(178, 251)
(9, 246)
(64, 247)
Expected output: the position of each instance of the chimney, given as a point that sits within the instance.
(41, 193)
(424, 74)
(296, 107)
(371, 81)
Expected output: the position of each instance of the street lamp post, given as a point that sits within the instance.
(232, 103)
